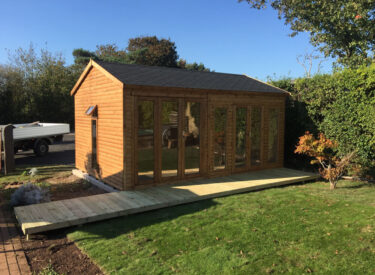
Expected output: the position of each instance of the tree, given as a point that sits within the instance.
(152, 51)
(36, 86)
(323, 150)
(148, 50)
(111, 53)
(82, 57)
(307, 62)
(181, 63)
(342, 29)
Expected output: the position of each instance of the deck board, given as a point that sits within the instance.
(65, 213)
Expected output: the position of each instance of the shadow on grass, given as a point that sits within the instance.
(113, 228)
(358, 185)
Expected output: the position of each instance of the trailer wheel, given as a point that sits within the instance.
(41, 148)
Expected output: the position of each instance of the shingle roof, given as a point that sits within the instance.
(175, 77)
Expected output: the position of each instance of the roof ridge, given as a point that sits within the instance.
(166, 68)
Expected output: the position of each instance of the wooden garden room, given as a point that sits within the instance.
(137, 126)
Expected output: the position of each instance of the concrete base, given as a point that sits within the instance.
(94, 181)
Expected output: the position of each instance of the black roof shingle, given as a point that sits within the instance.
(180, 78)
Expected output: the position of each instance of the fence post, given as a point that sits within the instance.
(1, 148)
(7, 138)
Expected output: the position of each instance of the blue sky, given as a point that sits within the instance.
(225, 35)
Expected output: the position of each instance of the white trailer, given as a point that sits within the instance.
(38, 136)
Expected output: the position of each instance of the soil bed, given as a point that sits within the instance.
(53, 249)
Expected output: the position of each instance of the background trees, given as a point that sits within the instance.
(145, 50)
(35, 85)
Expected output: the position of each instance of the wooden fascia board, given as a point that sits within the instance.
(282, 90)
(85, 72)
(273, 94)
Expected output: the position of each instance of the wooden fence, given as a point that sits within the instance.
(7, 145)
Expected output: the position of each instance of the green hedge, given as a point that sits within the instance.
(341, 105)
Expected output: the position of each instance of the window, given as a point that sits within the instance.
(255, 135)
(94, 159)
(191, 135)
(273, 135)
(220, 128)
(240, 157)
(169, 138)
(145, 139)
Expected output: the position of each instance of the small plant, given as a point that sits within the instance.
(48, 270)
(323, 150)
(30, 194)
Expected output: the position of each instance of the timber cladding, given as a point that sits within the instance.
(98, 90)
(117, 132)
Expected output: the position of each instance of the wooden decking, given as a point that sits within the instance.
(65, 213)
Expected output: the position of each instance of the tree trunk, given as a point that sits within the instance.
(332, 185)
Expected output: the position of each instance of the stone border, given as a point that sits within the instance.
(94, 181)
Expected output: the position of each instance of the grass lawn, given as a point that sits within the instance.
(296, 229)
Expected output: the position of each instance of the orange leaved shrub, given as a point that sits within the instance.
(323, 150)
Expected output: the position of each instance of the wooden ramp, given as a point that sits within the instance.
(65, 213)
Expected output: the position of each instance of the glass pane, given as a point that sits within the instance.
(255, 135)
(273, 135)
(169, 137)
(191, 136)
(93, 144)
(145, 140)
(220, 138)
(240, 159)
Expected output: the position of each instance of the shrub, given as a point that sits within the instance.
(29, 194)
(324, 152)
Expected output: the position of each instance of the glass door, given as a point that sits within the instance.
(169, 139)
(241, 139)
(191, 137)
(145, 140)
(220, 138)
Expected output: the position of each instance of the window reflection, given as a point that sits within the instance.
(273, 135)
(169, 137)
(145, 140)
(240, 158)
(220, 117)
(191, 136)
(255, 135)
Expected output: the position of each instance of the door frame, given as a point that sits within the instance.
(157, 148)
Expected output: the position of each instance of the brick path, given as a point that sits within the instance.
(12, 257)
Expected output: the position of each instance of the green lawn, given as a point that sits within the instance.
(296, 229)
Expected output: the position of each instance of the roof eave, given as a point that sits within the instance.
(265, 83)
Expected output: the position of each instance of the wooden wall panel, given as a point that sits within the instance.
(98, 89)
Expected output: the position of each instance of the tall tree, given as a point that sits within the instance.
(82, 57)
(150, 50)
(111, 53)
(342, 29)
